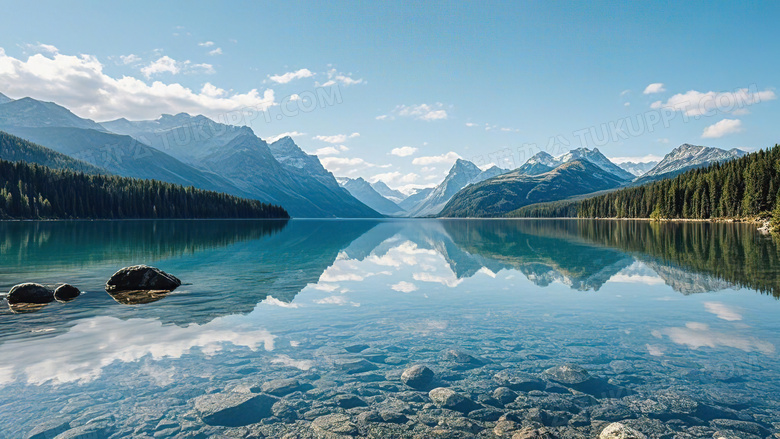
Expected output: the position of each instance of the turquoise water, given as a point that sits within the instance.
(676, 324)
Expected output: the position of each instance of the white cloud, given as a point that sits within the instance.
(284, 78)
(404, 287)
(79, 83)
(347, 167)
(403, 151)
(163, 64)
(696, 335)
(270, 300)
(656, 87)
(217, 51)
(334, 77)
(472, 124)
(129, 59)
(449, 280)
(720, 129)
(422, 111)
(206, 44)
(287, 361)
(293, 134)
(105, 340)
(331, 150)
(447, 158)
(204, 68)
(337, 138)
(695, 103)
(723, 311)
(395, 177)
(45, 48)
(383, 117)
(336, 300)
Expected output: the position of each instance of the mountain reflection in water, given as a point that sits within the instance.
(345, 306)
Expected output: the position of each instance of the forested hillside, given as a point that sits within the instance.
(743, 188)
(32, 192)
(15, 149)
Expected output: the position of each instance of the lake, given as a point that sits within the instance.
(303, 328)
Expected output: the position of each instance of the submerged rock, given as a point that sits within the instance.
(26, 308)
(142, 277)
(138, 297)
(533, 433)
(567, 374)
(48, 429)
(617, 430)
(417, 376)
(449, 399)
(280, 387)
(30, 293)
(66, 293)
(335, 426)
(234, 409)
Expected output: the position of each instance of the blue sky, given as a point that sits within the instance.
(431, 81)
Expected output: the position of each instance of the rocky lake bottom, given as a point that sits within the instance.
(394, 329)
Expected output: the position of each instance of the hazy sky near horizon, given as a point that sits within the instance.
(399, 90)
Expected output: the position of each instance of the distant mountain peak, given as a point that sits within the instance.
(4, 99)
(386, 191)
(688, 156)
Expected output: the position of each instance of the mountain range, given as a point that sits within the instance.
(365, 192)
(190, 151)
(684, 158)
(197, 151)
(638, 168)
(504, 193)
(462, 174)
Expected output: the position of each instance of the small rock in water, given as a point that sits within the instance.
(568, 374)
(66, 293)
(461, 357)
(355, 348)
(533, 433)
(280, 387)
(30, 293)
(617, 430)
(449, 399)
(335, 426)
(233, 409)
(348, 401)
(417, 376)
(142, 277)
(504, 395)
(353, 366)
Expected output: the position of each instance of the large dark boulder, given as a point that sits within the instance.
(66, 293)
(30, 293)
(142, 277)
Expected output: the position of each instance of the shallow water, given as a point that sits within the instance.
(677, 325)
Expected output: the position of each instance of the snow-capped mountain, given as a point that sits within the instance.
(363, 191)
(597, 158)
(638, 168)
(391, 194)
(543, 162)
(416, 198)
(462, 174)
(685, 157)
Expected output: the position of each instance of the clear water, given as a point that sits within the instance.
(678, 323)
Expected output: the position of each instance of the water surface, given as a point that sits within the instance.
(677, 325)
